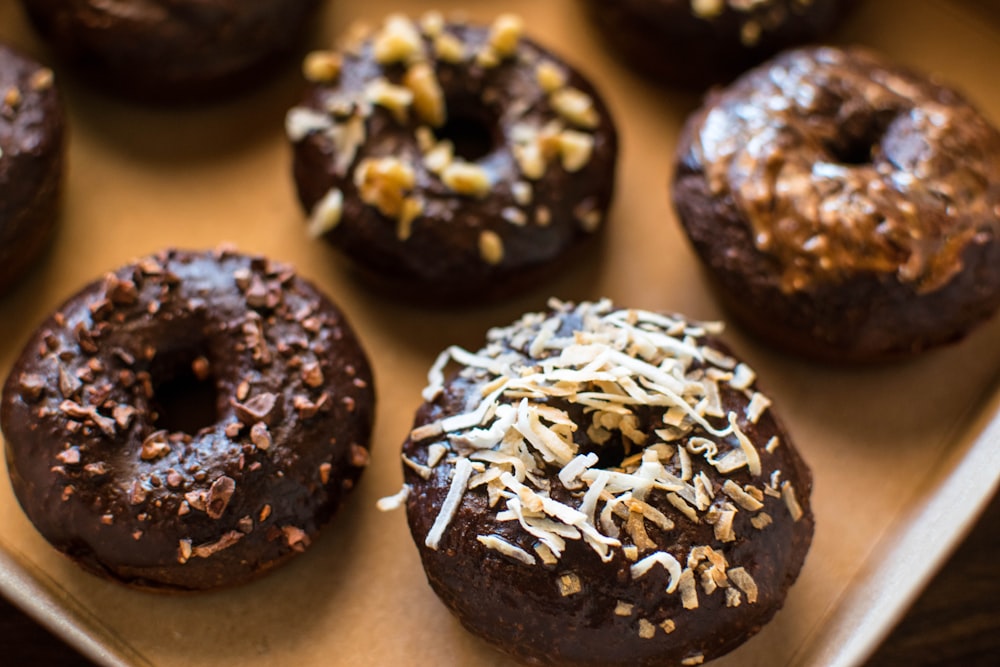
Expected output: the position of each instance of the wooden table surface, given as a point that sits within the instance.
(956, 621)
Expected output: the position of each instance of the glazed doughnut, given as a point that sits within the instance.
(32, 132)
(189, 421)
(451, 161)
(599, 486)
(695, 43)
(172, 50)
(845, 208)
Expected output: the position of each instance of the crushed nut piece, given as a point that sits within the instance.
(398, 41)
(490, 247)
(383, 183)
(550, 76)
(569, 584)
(397, 99)
(326, 213)
(466, 178)
(449, 49)
(322, 66)
(505, 33)
(428, 98)
(575, 106)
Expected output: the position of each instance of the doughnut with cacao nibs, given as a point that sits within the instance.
(451, 161)
(602, 486)
(32, 130)
(188, 421)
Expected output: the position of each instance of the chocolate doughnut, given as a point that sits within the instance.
(845, 209)
(171, 50)
(189, 421)
(599, 486)
(31, 162)
(695, 43)
(451, 161)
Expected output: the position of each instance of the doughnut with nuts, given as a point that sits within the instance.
(695, 43)
(189, 421)
(32, 132)
(172, 50)
(845, 208)
(601, 486)
(451, 161)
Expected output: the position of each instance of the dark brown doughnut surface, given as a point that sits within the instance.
(451, 161)
(845, 209)
(31, 162)
(188, 421)
(171, 50)
(622, 493)
(695, 43)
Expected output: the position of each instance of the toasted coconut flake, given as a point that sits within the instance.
(683, 507)
(772, 444)
(744, 582)
(753, 459)
(724, 526)
(393, 502)
(569, 584)
(545, 554)
(423, 471)
(743, 377)
(463, 470)
(501, 545)
(788, 495)
(761, 520)
(624, 608)
(688, 589)
(669, 563)
(741, 497)
(759, 403)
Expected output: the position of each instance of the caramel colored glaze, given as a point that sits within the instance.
(171, 50)
(31, 162)
(174, 511)
(519, 608)
(846, 209)
(695, 43)
(439, 259)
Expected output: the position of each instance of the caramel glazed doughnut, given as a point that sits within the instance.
(32, 131)
(845, 208)
(110, 464)
(600, 486)
(449, 160)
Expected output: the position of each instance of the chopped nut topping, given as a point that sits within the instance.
(623, 608)
(265, 512)
(154, 446)
(646, 629)
(696, 659)
(224, 542)
(522, 193)
(487, 58)
(576, 107)
(384, 182)
(505, 33)
(69, 456)
(295, 537)
(359, 456)
(466, 178)
(184, 551)
(707, 9)
(260, 436)
(449, 49)
(397, 99)
(13, 98)
(668, 626)
(41, 79)
(312, 374)
(219, 495)
(326, 213)
(569, 584)
(260, 408)
(322, 66)
(398, 41)
(550, 76)
(575, 149)
(428, 98)
(413, 207)
(490, 247)
(324, 472)
(432, 23)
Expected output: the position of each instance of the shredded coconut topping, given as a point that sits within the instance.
(639, 426)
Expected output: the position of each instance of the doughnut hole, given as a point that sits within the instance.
(859, 140)
(472, 131)
(185, 392)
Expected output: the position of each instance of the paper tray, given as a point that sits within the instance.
(904, 456)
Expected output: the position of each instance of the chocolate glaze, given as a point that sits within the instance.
(519, 608)
(32, 132)
(669, 41)
(845, 208)
(171, 50)
(105, 483)
(440, 261)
